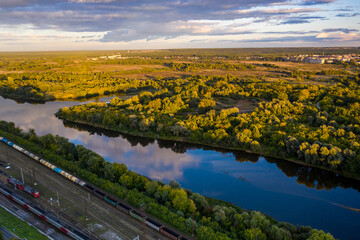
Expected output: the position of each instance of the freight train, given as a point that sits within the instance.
(48, 217)
(99, 193)
(46, 163)
(24, 187)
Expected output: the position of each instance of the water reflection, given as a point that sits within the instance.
(250, 181)
(140, 154)
(308, 176)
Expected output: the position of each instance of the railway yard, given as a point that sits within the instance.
(44, 227)
(71, 202)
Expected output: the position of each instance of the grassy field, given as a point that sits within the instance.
(48, 76)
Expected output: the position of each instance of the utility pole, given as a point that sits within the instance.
(86, 215)
(33, 174)
(85, 208)
(9, 167)
(58, 199)
(22, 175)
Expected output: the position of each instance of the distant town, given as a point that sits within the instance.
(314, 59)
(321, 59)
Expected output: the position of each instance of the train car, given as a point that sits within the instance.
(152, 223)
(35, 193)
(16, 183)
(24, 187)
(139, 216)
(99, 194)
(170, 233)
(123, 207)
(42, 161)
(40, 212)
(89, 187)
(110, 200)
(82, 183)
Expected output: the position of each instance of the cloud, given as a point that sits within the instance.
(344, 30)
(23, 3)
(345, 9)
(151, 31)
(282, 39)
(91, 1)
(339, 36)
(317, 2)
(292, 32)
(278, 11)
(301, 19)
(126, 21)
(348, 14)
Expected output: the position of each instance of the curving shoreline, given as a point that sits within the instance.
(177, 139)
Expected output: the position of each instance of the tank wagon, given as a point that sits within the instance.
(122, 206)
(48, 217)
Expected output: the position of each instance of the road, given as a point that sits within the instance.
(76, 204)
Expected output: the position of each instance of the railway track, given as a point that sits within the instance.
(129, 226)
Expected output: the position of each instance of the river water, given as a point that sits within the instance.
(285, 191)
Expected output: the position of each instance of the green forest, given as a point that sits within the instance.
(240, 99)
(301, 112)
(179, 207)
(316, 124)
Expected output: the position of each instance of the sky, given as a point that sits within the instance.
(47, 25)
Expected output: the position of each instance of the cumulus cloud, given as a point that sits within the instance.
(339, 35)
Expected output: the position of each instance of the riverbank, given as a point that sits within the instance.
(179, 139)
(175, 205)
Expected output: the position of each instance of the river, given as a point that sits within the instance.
(286, 191)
